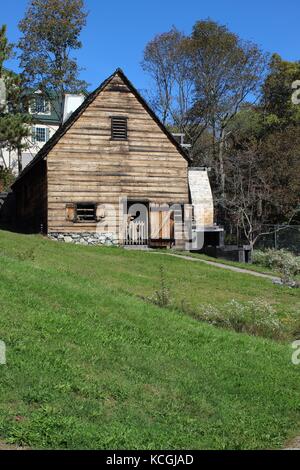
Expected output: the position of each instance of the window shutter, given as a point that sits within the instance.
(33, 106)
(154, 224)
(47, 106)
(47, 134)
(33, 134)
(165, 224)
(70, 212)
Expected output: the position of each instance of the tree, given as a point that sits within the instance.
(280, 111)
(51, 30)
(247, 192)
(14, 121)
(6, 49)
(263, 186)
(227, 71)
(281, 166)
(201, 81)
(165, 61)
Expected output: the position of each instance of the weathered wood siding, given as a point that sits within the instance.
(87, 166)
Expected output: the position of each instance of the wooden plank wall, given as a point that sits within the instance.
(86, 165)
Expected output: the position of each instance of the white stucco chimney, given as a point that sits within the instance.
(201, 195)
(71, 103)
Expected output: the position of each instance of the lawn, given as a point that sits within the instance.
(91, 365)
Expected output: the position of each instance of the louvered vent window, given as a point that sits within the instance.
(119, 128)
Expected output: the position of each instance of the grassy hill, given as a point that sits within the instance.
(92, 365)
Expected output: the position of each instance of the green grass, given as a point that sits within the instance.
(90, 365)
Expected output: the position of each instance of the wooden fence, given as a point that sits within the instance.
(136, 233)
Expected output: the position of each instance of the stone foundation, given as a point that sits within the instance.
(85, 238)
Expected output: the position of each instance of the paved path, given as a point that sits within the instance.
(220, 265)
(294, 444)
(4, 446)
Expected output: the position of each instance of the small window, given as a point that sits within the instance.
(119, 128)
(85, 212)
(40, 134)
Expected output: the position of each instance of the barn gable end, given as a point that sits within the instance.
(87, 166)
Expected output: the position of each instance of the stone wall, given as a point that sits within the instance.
(85, 238)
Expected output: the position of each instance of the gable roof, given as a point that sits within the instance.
(78, 112)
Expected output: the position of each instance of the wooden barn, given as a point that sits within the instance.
(112, 174)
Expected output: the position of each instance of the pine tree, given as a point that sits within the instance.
(14, 120)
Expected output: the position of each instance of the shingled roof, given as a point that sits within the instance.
(78, 112)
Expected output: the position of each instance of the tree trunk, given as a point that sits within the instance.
(2, 158)
(19, 160)
(221, 165)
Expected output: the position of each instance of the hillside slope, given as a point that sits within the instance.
(91, 365)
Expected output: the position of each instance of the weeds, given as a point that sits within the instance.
(26, 255)
(255, 317)
(161, 296)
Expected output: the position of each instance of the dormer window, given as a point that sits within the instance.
(40, 105)
(118, 128)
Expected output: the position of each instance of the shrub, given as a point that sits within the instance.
(262, 258)
(283, 261)
(254, 317)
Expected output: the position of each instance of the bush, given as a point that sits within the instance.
(283, 261)
(254, 317)
(263, 258)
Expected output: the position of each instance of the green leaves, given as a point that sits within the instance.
(277, 92)
(6, 49)
(51, 32)
(13, 118)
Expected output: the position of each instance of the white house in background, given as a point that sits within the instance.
(48, 113)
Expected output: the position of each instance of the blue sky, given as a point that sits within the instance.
(117, 30)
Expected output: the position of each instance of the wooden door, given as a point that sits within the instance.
(161, 225)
